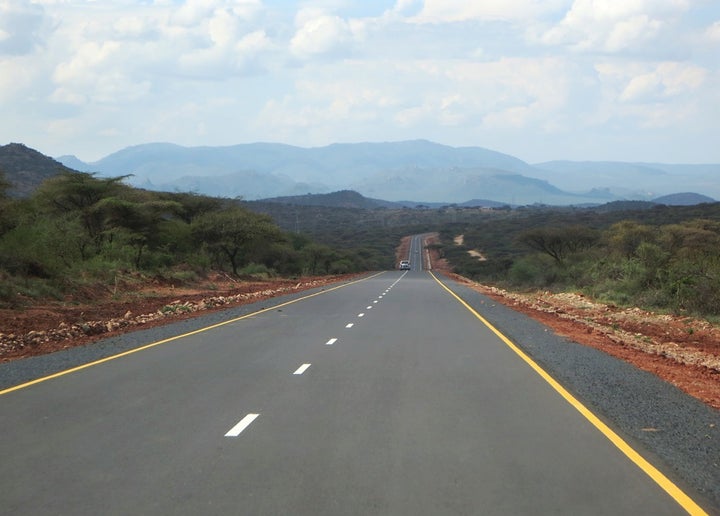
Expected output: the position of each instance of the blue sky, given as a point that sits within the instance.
(631, 80)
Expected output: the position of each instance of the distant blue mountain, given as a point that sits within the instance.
(683, 199)
(394, 171)
(638, 181)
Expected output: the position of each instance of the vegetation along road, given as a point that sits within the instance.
(398, 393)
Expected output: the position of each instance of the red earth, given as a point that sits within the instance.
(51, 326)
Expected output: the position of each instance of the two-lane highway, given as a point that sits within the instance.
(417, 254)
(385, 396)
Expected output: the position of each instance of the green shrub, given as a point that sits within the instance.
(257, 270)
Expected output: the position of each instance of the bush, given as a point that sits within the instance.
(257, 270)
(538, 271)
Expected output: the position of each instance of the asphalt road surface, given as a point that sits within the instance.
(384, 396)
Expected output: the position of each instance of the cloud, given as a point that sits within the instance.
(226, 48)
(612, 26)
(320, 33)
(194, 12)
(466, 96)
(444, 11)
(664, 81)
(23, 27)
(133, 28)
(655, 96)
(405, 6)
(16, 80)
(638, 82)
(225, 59)
(712, 33)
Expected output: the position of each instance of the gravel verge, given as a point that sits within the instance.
(677, 433)
(24, 370)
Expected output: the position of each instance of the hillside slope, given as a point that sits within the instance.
(25, 168)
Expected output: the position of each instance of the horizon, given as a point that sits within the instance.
(558, 80)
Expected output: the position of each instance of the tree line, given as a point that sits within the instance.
(77, 228)
(659, 258)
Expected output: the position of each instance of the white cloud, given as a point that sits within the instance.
(16, 80)
(626, 33)
(656, 96)
(96, 73)
(133, 28)
(443, 11)
(23, 27)
(404, 6)
(464, 95)
(194, 12)
(639, 82)
(665, 80)
(613, 26)
(713, 32)
(224, 59)
(319, 33)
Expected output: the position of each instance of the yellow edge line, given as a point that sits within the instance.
(176, 337)
(665, 483)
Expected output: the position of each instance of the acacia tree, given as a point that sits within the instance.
(319, 257)
(559, 242)
(626, 236)
(192, 205)
(234, 233)
(77, 195)
(138, 221)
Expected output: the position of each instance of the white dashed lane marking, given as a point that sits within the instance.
(242, 425)
(302, 369)
(331, 342)
(350, 325)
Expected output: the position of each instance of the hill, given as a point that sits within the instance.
(26, 168)
(341, 199)
(683, 199)
(630, 181)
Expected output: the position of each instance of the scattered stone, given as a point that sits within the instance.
(64, 331)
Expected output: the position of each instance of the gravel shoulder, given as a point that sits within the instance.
(82, 335)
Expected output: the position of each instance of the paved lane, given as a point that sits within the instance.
(386, 396)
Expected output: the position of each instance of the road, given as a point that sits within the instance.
(384, 396)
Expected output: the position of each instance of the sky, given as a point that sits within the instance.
(620, 80)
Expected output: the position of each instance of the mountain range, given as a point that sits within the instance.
(411, 172)
(417, 171)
